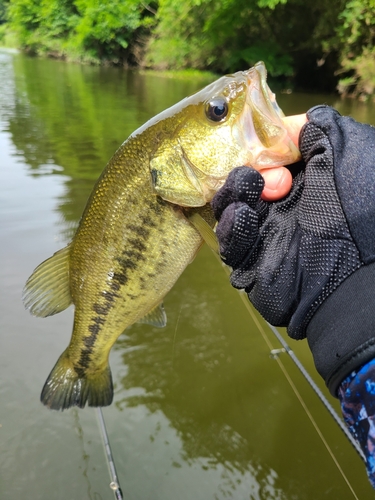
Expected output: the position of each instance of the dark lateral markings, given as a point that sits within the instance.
(136, 244)
(101, 309)
(84, 362)
(94, 329)
(147, 221)
(141, 231)
(110, 297)
(128, 261)
(133, 254)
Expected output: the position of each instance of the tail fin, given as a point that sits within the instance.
(65, 387)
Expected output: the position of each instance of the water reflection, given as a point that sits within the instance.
(209, 378)
(65, 119)
(85, 456)
(193, 375)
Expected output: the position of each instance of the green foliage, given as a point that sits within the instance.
(41, 25)
(3, 17)
(3, 10)
(105, 30)
(302, 43)
(222, 36)
(271, 4)
(228, 35)
(277, 62)
(362, 83)
(356, 34)
(175, 43)
(90, 30)
(357, 26)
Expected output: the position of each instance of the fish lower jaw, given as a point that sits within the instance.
(293, 125)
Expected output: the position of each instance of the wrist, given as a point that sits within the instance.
(341, 334)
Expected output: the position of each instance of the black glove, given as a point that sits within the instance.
(308, 261)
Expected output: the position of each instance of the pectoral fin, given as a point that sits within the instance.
(47, 291)
(205, 230)
(156, 317)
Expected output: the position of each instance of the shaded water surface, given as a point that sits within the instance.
(201, 410)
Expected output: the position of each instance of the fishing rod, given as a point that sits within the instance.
(318, 392)
(114, 484)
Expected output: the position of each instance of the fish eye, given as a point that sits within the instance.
(217, 109)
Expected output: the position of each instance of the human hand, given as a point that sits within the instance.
(299, 258)
(278, 181)
(307, 261)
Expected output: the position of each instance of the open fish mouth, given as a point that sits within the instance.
(266, 113)
(259, 132)
(261, 126)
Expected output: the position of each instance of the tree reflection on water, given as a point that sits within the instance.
(194, 374)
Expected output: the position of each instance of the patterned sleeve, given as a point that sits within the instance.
(357, 397)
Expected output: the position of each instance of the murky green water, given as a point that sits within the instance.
(201, 410)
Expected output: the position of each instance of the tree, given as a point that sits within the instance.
(89, 30)
(307, 45)
(356, 37)
(228, 35)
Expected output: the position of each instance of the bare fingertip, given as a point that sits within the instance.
(277, 183)
(293, 125)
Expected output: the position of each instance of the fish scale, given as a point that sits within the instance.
(144, 221)
(151, 236)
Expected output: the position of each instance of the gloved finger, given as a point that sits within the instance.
(321, 130)
(316, 148)
(237, 232)
(340, 174)
(243, 184)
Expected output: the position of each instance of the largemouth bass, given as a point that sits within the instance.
(139, 230)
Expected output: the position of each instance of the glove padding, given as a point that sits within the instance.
(243, 213)
(292, 254)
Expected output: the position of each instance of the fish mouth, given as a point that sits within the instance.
(254, 136)
(260, 135)
(263, 132)
(261, 97)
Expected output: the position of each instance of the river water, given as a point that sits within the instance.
(201, 410)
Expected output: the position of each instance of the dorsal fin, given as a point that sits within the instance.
(47, 291)
(156, 317)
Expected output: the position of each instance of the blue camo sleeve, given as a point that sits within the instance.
(357, 398)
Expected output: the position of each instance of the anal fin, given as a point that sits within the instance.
(156, 317)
